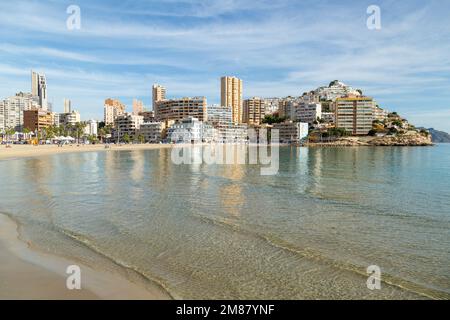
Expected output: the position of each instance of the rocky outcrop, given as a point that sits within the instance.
(417, 139)
(411, 139)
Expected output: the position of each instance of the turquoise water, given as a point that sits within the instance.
(215, 231)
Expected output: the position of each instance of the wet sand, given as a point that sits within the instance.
(23, 151)
(26, 273)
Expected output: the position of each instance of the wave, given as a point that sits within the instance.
(320, 258)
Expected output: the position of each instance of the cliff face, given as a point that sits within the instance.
(439, 136)
(402, 140)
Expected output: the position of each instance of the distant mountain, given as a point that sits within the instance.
(439, 136)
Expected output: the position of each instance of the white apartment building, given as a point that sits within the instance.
(186, 131)
(39, 89)
(12, 108)
(380, 114)
(218, 113)
(291, 132)
(336, 89)
(71, 118)
(308, 112)
(91, 128)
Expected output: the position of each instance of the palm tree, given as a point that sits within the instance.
(79, 130)
(9, 132)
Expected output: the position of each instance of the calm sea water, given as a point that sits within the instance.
(214, 231)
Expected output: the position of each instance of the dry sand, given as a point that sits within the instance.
(29, 274)
(21, 151)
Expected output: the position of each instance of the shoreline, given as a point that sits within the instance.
(26, 273)
(26, 151)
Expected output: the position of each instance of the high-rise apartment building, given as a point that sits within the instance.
(67, 106)
(254, 111)
(308, 112)
(112, 109)
(158, 94)
(179, 109)
(354, 114)
(39, 88)
(138, 106)
(218, 114)
(11, 111)
(231, 90)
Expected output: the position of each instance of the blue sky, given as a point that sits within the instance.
(278, 48)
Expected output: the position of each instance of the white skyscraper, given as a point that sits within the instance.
(67, 106)
(39, 88)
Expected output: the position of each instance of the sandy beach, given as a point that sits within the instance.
(26, 273)
(23, 151)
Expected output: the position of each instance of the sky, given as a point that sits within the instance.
(278, 48)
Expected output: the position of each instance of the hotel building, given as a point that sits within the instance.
(231, 90)
(112, 109)
(179, 109)
(254, 111)
(354, 114)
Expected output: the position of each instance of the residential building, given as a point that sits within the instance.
(308, 112)
(127, 124)
(158, 94)
(218, 113)
(11, 113)
(56, 119)
(67, 106)
(187, 130)
(380, 114)
(179, 109)
(37, 119)
(354, 114)
(39, 89)
(291, 132)
(336, 89)
(229, 132)
(254, 111)
(153, 132)
(328, 117)
(91, 128)
(231, 92)
(112, 109)
(149, 116)
(69, 119)
(138, 107)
